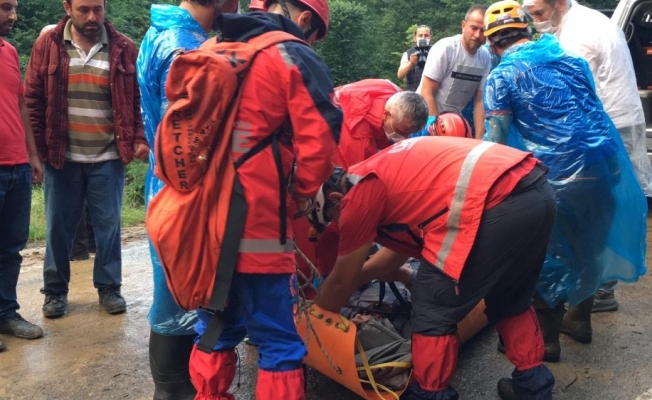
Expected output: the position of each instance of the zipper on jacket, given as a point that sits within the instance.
(456, 283)
(429, 220)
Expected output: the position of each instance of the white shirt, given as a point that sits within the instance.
(591, 35)
(459, 73)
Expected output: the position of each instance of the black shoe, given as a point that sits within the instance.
(112, 301)
(55, 305)
(2, 347)
(506, 390)
(17, 326)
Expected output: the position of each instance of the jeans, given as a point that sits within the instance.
(15, 207)
(101, 184)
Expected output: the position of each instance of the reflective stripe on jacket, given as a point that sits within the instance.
(437, 188)
(288, 89)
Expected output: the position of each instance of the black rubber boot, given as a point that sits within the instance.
(550, 320)
(577, 322)
(168, 360)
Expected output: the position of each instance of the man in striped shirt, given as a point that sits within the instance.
(85, 108)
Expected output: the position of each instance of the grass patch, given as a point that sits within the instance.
(133, 209)
(37, 217)
(133, 216)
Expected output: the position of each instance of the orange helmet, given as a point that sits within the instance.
(450, 124)
(257, 5)
(319, 7)
(504, 14)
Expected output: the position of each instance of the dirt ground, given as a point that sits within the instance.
(89, 354)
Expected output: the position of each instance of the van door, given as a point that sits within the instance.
(634, 17)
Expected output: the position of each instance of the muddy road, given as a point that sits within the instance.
(89, 354)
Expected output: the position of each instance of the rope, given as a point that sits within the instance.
(304, 308)
(304, 305)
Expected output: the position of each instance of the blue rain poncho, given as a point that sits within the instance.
(173, 30)
(543, 100)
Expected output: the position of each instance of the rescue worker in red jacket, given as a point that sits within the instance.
(376, 115)
(288, 89)
(479, 217)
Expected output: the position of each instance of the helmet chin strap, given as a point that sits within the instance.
(286, 13)
(284, 6)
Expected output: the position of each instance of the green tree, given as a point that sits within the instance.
(348, 46)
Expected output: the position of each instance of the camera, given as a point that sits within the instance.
(422, 48)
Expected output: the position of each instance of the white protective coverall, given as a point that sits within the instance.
(592, 35)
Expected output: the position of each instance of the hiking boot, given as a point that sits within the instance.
(2, 347)
(55, 305)
(17, 326)
(604, 301)
(506, 390)
(112, 301)
(577, 322)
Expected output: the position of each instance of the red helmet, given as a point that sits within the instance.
(319, 7)
(450, 124)
(257, 5)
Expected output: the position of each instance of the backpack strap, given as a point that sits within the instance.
(237, 215)
(225, 267)
(269, 39)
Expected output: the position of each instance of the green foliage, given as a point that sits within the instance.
(366, 39)
(37, 216)
(348, 46)
(134, 192)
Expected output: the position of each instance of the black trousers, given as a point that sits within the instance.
(503, 265)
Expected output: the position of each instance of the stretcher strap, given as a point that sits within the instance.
(367, 368)
(392, 364)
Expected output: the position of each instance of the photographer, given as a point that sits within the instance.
(414, 59)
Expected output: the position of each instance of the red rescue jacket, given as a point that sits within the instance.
(287, 87)
(437, 189)
(362, 103)
(362, 136)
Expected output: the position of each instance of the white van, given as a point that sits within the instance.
(635, 19)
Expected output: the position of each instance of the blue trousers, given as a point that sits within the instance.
(101, 184)
(260, 307)
(15, 207)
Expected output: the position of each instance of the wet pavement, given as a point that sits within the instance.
(89, 354)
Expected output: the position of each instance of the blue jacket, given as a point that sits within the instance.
(558, 116)
(173, 30)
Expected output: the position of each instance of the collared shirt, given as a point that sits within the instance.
(13, 149)
(91, 135)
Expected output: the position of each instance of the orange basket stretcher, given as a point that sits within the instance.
(332, 342)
